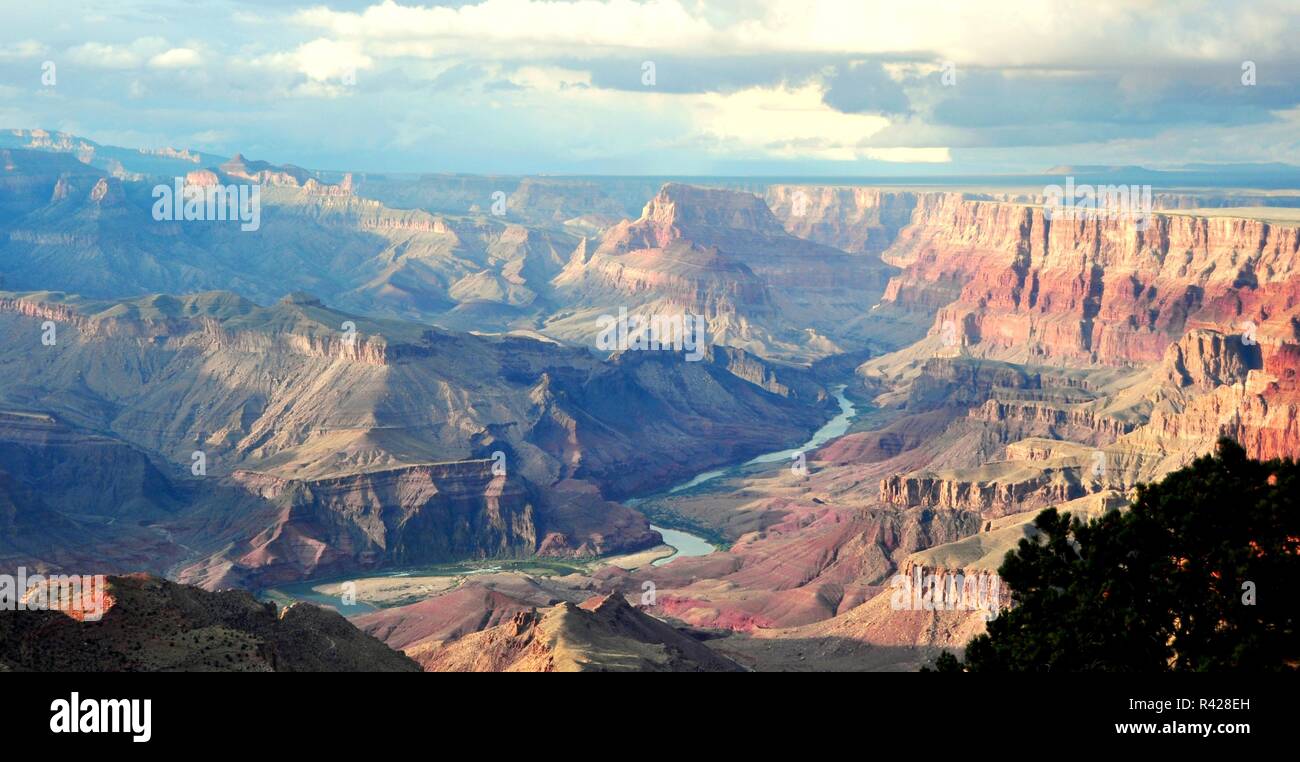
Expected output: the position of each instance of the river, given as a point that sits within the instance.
(684, 543)
(687, 544)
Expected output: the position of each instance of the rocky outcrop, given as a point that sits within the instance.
(1204, 359)
(180, 154)
(1262, 413)
(405, 516)
(24, 306)
(48, 239)
(965, 381)
(1212, 385)
(1018, 419)
(781, 381)
(31, 179)
(943, 589)
(152, 625)
(990, 494)
(107, 192)
(287, 177)
(602, 634)
(61, 142)
(264, 173)
(477, 603)
(673, 252)
(342, 189)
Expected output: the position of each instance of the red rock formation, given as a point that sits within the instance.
(1018, 284)
(672, 251)
(1205, 359)
(993, 493)
(1260, 410)
(724, 255)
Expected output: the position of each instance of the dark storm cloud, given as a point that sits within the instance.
(1116, 102)
(865, 87)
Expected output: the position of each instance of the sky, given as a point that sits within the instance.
(659, 87)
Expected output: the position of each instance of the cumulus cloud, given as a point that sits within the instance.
(101, 55)
(176, 58)
(324, 59)
(796, 123)
(14, 51)
(320, 61)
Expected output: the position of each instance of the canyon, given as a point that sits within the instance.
(1000, 360)
(325, 451)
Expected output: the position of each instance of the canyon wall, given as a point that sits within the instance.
(1015, 283)
(853, 219)
(405, 516)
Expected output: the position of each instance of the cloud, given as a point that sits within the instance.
(14, 51)
(325, 59)
(1131, 70)
(508, 28)
(797, 123)
(701, 73)
(320, 61)
(1014, 33)
(866, 87)
(991, 33)
(556, 85)
(1124, 100)
(210, 137)
(100, 55)
(790, 122)
(549, 78)
(176, 58)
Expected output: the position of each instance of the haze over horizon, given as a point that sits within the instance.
(666, 87)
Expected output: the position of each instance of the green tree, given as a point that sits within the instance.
(1200, 574)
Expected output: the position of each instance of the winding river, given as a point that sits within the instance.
(684, 543)
(687, 544)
